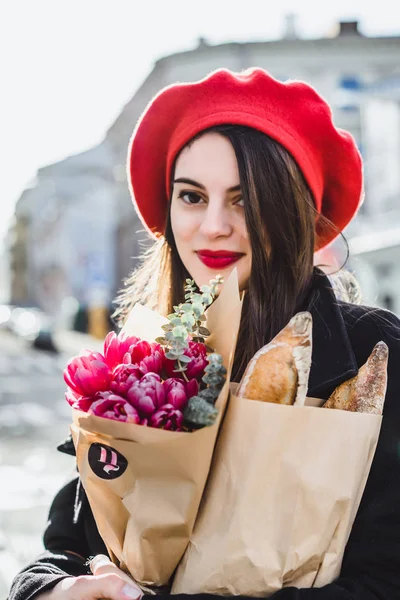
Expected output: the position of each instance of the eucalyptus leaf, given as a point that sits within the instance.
(188, 320)
(200, 412)
(197, 298)
(179, 332)
(206, 289)
(176, 321)
(207, 298)
(167, 327)
(184, 359)
(186, 307)
(204, 331)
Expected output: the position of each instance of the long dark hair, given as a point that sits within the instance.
(280, 218)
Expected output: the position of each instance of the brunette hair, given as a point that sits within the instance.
(280, 217)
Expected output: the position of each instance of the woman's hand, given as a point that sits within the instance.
(107, 581)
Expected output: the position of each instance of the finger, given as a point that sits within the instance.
(110, 586)
(102, 565)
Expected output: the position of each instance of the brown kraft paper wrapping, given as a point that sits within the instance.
(146, 513)
(284, 488)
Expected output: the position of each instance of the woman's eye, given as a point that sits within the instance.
(239, 202)
(190, 197)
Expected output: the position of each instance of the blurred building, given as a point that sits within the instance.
(63, 235)
(375, 245)
(86, 198)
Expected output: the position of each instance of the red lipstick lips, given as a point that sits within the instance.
(218, 259)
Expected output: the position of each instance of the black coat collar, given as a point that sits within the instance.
(333, 359)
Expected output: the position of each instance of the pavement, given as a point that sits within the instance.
(34, 419)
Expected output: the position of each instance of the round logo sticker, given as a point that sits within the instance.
(106, 462)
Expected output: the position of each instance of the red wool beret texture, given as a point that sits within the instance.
(292, 113)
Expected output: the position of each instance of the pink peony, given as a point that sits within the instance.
(167, 417)
(78, 402)
(152, 363)
(122, 349)
(177, 391)
(87, 374)
(195, 368)
(116, 346)
(124, 376)
(147, 395)
(112, 406)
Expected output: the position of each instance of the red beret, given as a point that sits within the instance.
(292, 113)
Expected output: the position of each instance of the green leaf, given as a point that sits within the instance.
(186, 308)
(198, 308)
(176, 321)
(207, 298)
(180, 332)
(206, 289)
(188, 320)
(167, 327)
(204, 331)
(200, 412)
(171, 355)
(161, 340)
(184, 359)
(197, 298)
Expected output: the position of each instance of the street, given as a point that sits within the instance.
(34, 419)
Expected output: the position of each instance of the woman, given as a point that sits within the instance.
(242, 170)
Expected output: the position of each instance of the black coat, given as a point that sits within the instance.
(343, 337)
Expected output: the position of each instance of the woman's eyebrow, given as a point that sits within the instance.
(235, 188)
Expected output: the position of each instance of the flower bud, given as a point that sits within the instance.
(147, 394)
(167, 417)
(112, 406)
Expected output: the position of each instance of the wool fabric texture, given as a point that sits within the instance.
(291, 112)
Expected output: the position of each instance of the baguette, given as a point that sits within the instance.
(279, 371)
(366, 391)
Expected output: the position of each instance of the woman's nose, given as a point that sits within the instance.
(216, 222)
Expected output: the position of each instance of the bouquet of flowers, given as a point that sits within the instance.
(146, 413)
(154, 384)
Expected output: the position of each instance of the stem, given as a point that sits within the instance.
(183, 372)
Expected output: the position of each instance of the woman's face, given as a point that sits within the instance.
(207, 214)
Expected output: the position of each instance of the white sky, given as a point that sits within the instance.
(67, 67)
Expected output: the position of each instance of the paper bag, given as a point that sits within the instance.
(144, 485)
(284, 488)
